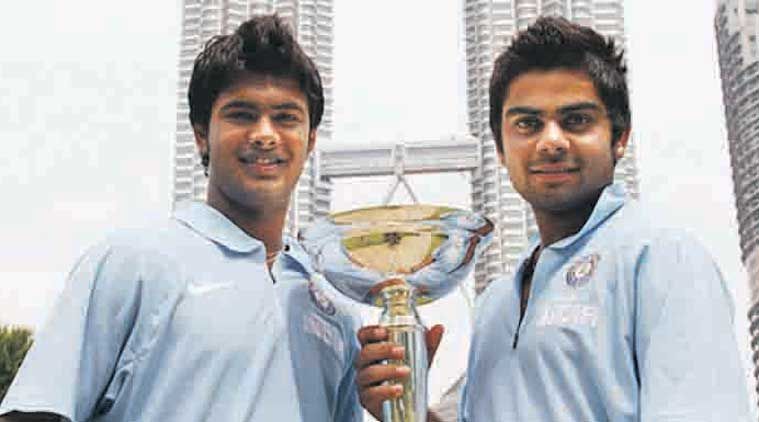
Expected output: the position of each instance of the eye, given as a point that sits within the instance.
(287, 118)
(577, 121)
(528, 124)
(241, 116)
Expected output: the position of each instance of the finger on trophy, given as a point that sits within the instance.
(371, 398)
(371, 334)
(381, 374)
(374, 353)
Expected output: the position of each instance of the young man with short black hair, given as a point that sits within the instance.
(214, 314)
(610, 316)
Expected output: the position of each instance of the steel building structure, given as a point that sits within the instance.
(451, 154)
(737, 28)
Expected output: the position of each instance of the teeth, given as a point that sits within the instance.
(262, 161)
(266, 161)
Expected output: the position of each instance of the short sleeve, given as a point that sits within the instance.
(74, 356)
(686, 351)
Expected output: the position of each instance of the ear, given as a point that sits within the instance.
(311, 141)
(201, 139)
(621, 145)
(501, 157)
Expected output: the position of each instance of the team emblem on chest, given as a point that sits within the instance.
(320, 299)
(580, 273)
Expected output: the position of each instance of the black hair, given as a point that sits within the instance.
(264, 44)
(556, 43)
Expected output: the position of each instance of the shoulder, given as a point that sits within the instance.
(159, 244)
(154, 239)
(636, 228)
(632, 223)
(664, 258)
(677, 256)
(133, 259)
(655, 241)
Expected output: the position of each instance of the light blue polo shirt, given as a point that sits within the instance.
(626, 321)
(182, 322)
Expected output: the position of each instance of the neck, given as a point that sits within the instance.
(557, 225)
(264, 224)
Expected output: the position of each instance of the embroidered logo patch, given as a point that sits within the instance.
(320, 299)
(325, 332)
(568, 314)
(580, 273)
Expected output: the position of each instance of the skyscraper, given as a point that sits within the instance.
(489, 27)
(737, 28)
(311, 21)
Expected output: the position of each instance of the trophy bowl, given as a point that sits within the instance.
(397, 257)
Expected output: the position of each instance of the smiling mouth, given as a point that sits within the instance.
(262, 161)
(554, 171)
(263, 166)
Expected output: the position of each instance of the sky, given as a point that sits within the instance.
(87, 118)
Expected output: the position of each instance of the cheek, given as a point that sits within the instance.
(514, 168)
(597, 149)
(516, 155)
(226, 141)
(298, 143)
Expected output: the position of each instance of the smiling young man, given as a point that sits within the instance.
(610, 316)
(213, 315)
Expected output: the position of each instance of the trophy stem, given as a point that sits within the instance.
(404, 327)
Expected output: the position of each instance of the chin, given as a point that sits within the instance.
(270, 195)
(556, 201)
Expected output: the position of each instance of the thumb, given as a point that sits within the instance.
(433, 336)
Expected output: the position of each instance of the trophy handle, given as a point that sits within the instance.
(401, 320)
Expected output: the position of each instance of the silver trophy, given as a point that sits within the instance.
(397, 257)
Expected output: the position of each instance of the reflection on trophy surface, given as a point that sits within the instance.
(396, 257)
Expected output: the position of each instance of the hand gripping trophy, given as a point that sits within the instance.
(397, 257)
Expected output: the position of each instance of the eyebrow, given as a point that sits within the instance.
(523, 110)
(585, 105)
(253, 106)
(289, 106)
(239, 104)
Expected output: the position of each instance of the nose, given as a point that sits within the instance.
(263, 135)
(552, 141)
